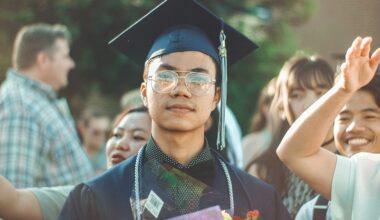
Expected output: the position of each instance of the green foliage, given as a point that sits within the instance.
(100, 70)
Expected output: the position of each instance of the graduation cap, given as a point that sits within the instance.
(185, 25)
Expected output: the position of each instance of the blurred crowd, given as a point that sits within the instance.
(44, 152)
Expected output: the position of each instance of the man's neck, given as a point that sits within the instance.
(31, 72)
(181, 146)
(35, 74)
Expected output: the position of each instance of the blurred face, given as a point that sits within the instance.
(94, 135)
(130, 134)
(179, 109)
(298, 98)
(58, 65)
(357, 127)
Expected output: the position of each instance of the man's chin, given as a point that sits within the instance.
(60, 87)
(176, 127)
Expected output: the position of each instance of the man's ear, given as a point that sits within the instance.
(42, 59)
(143, 93)
(216, 99)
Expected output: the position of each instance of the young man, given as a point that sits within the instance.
(352, 183)
(176, 173)
(39, 145)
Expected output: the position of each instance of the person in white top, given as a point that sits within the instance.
(351, 183)
(360, 107)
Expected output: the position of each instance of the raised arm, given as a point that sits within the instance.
(300, 148)
(16, 203)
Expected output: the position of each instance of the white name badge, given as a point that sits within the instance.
(154, 204)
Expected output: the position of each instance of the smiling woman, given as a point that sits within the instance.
(130, 133)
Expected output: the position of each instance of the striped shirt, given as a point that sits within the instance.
(39, 145)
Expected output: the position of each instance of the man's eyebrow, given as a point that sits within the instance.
(200, 69)
(170, 67)
(139, 129)
(374, 110)
(167, 66)
(344, 112)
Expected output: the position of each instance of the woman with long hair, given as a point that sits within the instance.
(302, 80)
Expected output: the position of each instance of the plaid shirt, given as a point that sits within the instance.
(39, 145)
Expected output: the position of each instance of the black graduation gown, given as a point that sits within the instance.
(108, 196)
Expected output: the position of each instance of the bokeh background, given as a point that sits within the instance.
(279, 27)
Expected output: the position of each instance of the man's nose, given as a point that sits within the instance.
(181, 89)
(355, 125)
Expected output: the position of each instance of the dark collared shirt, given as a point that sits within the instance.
(153, 152)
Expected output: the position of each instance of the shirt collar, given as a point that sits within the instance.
(154, 152)
(37, 85)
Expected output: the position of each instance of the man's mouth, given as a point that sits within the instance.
(357, 141)
(180, 108)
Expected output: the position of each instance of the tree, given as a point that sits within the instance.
(103, 71)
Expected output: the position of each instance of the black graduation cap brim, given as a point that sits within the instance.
(136, 41)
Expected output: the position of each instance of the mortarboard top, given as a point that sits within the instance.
(137, 40)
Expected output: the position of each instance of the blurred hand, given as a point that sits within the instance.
(359, 68)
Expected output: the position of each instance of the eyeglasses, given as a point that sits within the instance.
(197, 83)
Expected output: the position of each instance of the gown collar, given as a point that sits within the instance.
(153, 152)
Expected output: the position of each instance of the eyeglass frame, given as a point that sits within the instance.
(178, 77)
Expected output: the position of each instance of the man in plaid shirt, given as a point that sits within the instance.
(39, 145)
